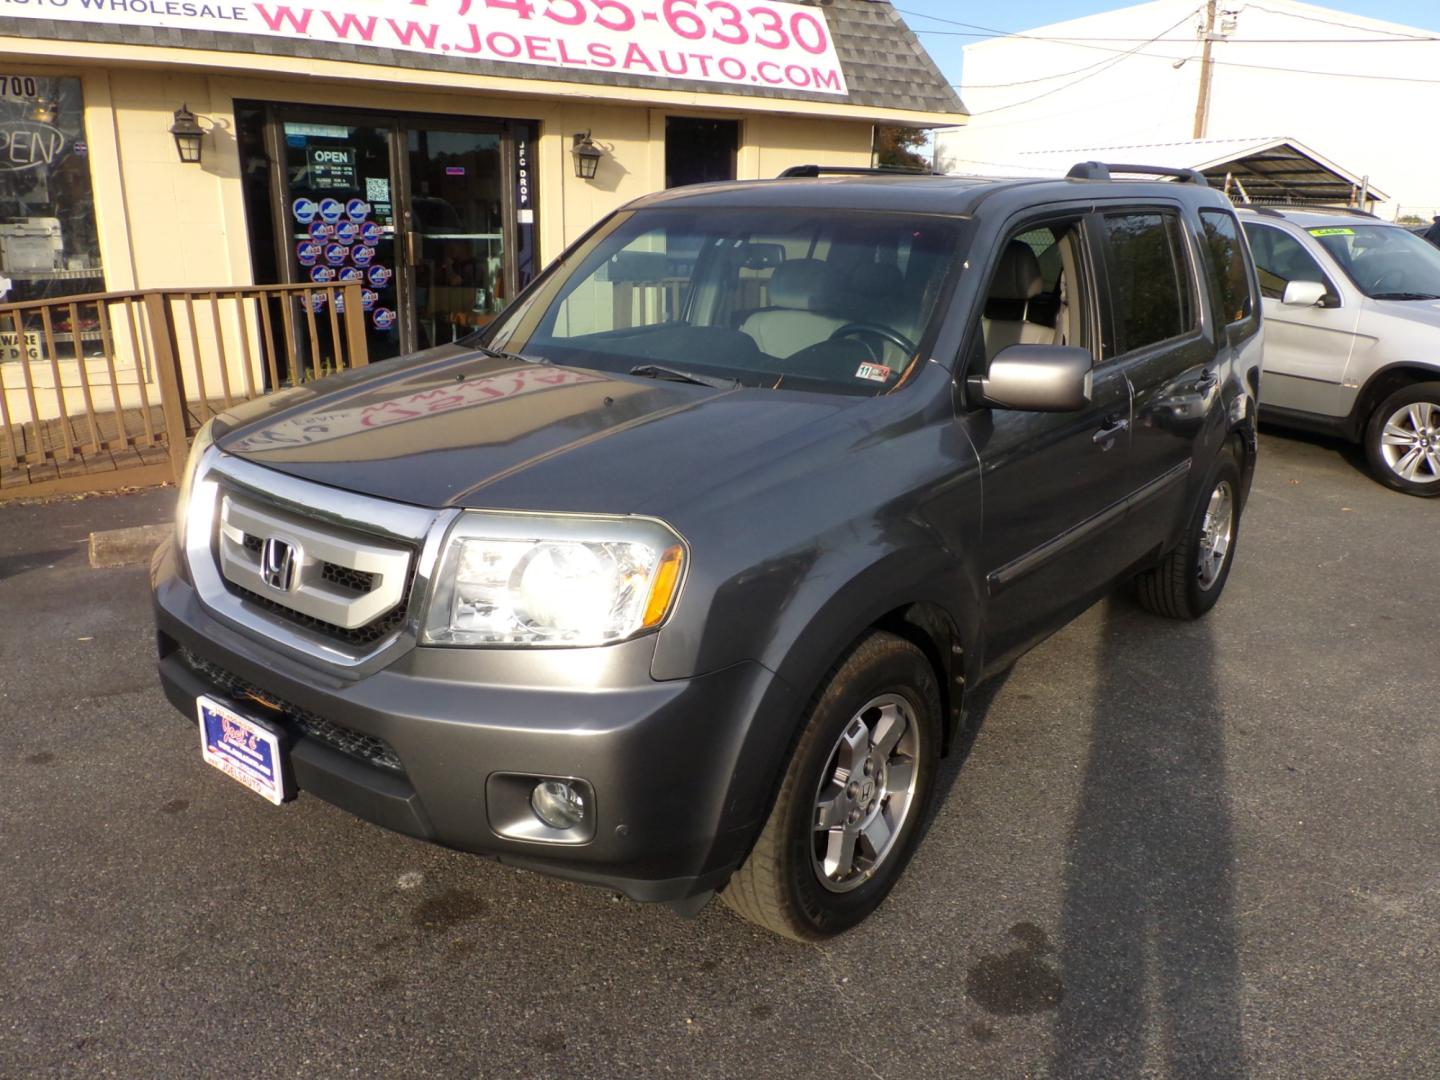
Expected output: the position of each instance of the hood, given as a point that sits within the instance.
(477, 431)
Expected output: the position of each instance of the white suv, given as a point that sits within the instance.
(1352, 340)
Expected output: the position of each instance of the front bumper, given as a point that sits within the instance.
(682, 770)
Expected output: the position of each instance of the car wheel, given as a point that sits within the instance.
(1402, 439)
(1189, 580)
(853, 798)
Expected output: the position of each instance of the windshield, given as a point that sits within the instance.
(786, 298)
(1384, 261)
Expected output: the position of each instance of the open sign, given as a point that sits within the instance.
(28, 144)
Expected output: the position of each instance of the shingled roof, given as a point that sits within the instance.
(885, 65)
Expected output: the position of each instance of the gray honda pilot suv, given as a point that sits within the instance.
(676, 578)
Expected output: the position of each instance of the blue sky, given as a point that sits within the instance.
(1016, 15)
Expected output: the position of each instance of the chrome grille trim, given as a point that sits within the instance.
(387, 525)
(310, 593)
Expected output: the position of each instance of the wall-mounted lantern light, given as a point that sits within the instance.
(587, 155)
(188, 134)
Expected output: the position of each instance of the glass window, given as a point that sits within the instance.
(1385, 262)
(1228, 281)
(780, 298)
(48, 242)
(1281, 259)
(1150, 288)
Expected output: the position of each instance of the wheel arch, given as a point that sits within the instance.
(1381, 385)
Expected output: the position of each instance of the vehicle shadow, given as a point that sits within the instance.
(14, 565)
(1352, 453)
(1147, 952)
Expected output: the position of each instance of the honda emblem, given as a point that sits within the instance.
(278, 560)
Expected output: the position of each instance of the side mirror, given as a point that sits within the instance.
(1304, 293)
(1036, 378)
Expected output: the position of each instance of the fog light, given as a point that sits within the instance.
(557, 804)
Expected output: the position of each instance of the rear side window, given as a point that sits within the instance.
(1229, 283)
(1150, 287)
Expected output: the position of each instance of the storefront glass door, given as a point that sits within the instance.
(456, 245)
(433, 217)
(340, 219)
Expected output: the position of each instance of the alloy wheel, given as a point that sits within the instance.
(1410, 442)
(1216, 533)
(866, 793)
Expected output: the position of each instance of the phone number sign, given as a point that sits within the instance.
(760, 43)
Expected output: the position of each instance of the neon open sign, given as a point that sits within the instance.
(28, 144)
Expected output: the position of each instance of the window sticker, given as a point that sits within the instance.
(346, 233)
(330, 210)
(322, 275)
(336, 254)
(352, 273)
(1332, 230)
(321, 230)
(362, 254)
(304, 210)
(368, 298)
(357, 210)
(369, 232)
(379, 276)
(383, 318)
(308, 252)
(873, 372)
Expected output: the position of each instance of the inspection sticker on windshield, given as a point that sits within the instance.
(873, 372)
(1333, 230)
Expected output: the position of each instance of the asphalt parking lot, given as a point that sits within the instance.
(1173, 850)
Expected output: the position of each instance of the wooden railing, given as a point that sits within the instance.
(105, 390)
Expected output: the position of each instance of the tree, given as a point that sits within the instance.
(898, 147)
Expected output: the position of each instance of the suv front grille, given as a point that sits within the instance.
(335, 582)
(368, 748)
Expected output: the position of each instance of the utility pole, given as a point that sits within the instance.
(1207, 67)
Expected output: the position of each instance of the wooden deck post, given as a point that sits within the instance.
(357, 352)
(167, 374)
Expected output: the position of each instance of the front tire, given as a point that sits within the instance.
(1402, 440)
(1189, 580)
(853, 798)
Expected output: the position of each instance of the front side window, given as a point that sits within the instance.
(1229, 282)
(825, 299)
(1150, 288)
(1384, 261)
(1281, 259)
(48, 241)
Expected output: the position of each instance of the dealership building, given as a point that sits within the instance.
(438, 152)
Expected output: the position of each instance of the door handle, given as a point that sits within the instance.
(1208, 381)
(414, 247)
(1114, 425)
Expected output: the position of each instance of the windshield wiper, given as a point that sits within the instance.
(660, 371)
(501, 354)
(1403, 296)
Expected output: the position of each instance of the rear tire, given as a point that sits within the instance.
(1189, 580)
(1402, 440)
(853, 798)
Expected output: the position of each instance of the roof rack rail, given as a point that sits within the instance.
(812, 171)
(1101, 170)
(1274, 209)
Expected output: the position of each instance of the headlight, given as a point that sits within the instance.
(204, 439)
(519, 579)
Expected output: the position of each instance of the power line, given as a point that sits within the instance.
(1098, 70)
(1328, 22)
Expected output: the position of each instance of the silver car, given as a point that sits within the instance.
(1352, 315)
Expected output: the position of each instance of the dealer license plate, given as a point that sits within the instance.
(243, 749)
